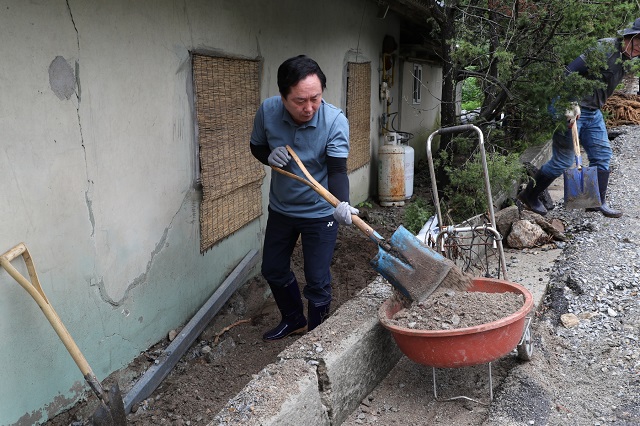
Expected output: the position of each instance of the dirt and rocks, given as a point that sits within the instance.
(230, 350)
(450, 309)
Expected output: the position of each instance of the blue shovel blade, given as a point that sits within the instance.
(412, 268)
(581, 190)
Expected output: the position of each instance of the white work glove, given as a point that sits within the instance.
(279, 157)
(572, 114)
(343, 213)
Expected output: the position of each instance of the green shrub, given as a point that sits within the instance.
(465, 196)
(416, 214)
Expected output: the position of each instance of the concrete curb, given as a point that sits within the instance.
(290, 402)
(331, 369)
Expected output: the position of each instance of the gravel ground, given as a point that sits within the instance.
(585, 368)
(587, 371)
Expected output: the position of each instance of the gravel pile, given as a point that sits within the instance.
(586, 370)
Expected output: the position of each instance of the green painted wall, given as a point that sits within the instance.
(98, 168)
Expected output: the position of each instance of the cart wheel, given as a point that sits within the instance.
(525, 348)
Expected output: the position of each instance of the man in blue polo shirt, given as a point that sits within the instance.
(318, 132)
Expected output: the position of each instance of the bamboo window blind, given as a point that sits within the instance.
(359, 114)
(227, 95)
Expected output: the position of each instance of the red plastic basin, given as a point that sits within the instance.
(463, 346)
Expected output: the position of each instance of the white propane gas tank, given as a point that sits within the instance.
(391, 176)
(409, 160)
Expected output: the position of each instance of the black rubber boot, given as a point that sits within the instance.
(291, 308)
(545, 199)
(605, 209)
(535, 187)
(317, 315)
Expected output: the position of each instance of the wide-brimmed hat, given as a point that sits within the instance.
(634, 29)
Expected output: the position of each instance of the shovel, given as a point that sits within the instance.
(581, 190)
(415, 270)
(111, 409)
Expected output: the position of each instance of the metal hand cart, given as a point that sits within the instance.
(468, 246)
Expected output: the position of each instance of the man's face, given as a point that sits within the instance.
(304, 99)
(632, 46)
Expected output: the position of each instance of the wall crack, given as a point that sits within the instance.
(142, 278)
(78, 94)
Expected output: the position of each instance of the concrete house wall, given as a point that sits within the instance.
(422, 117)
(98, 167)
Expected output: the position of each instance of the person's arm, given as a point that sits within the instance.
(339, 187)
(577, 65)
(258, 142)
(261, 152)
(337, 177)
(260, 148)
(279, 157)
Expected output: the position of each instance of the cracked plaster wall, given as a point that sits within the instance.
(97, 160)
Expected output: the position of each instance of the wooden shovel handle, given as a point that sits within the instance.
(576, 145)
(35, 291)
(14, 252)
(21, 249)
(329, 197)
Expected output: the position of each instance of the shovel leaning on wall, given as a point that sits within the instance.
(111, 409)
(581, 190)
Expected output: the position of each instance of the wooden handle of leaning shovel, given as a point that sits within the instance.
(329, 197)
(576, 145)
(36, 292)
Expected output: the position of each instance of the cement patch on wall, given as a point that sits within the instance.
(62, 79)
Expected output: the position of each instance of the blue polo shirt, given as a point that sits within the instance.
(326, 134)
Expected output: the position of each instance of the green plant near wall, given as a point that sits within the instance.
(417, 214)
(466, 197)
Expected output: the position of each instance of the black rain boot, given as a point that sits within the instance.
(535, 187)
(546, 200)
(605, 209)
(291, 308)
(317, 315)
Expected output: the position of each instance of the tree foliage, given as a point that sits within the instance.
(518, 50)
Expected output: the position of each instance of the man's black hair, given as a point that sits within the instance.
(291, 71)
